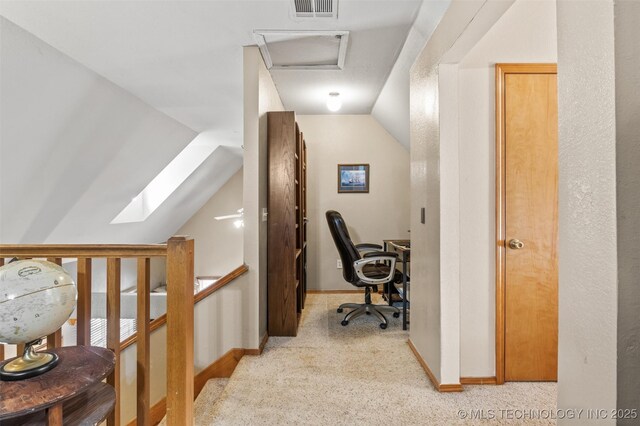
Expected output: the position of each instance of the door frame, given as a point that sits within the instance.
(501, 71)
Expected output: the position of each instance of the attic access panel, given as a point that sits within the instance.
(303, 49)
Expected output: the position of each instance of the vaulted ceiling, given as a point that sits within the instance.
(177, 67)
(184, 58)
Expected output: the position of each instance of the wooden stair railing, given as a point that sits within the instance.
(178, 252)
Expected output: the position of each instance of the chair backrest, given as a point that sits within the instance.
(346, 248)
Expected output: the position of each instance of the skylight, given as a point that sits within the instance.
(167, 181)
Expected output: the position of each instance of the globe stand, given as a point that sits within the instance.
(30, 364)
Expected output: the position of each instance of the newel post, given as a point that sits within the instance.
(180, 287)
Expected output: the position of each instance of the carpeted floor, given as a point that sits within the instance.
(359, 374)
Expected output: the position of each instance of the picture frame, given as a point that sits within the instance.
(353, 178)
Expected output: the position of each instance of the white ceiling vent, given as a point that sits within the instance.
(303, 49)
(315, 8)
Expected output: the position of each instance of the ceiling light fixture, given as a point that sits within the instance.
(334, 103)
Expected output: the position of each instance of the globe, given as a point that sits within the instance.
(36, 298)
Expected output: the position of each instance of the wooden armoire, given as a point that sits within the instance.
(287, 236)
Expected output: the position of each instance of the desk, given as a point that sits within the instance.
(403, 248)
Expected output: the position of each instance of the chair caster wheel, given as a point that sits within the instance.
(383, 326)
(340, 310)
(396, 314)
(344, 322)
(368, 313)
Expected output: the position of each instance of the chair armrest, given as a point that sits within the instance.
(380, 253)
(359, 265)
(368, 246)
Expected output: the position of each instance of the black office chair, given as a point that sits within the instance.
(366, 270)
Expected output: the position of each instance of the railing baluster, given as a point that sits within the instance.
(178, 253)
(113, 331)
(54, 340)
(1, 345)
(83, 310)
(179, 331)
(143, 343)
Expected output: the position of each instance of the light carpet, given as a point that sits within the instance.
(358, 374)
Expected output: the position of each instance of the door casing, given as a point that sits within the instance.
(501, 71)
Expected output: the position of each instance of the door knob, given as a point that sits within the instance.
(516, 244)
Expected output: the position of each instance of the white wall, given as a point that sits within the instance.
(260, 96)
(434, 312)
(223, 321)
(218, 243)
(75, 148)
(158, 377)
(449, 233)
(525, 33)
(627, 50)
(587, 363)
(383, 213)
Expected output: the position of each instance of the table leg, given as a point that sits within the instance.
(389, 301)
(404, 290)
(54, 415)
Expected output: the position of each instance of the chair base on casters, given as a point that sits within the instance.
(369, 309)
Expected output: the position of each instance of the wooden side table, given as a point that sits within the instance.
(72, 393)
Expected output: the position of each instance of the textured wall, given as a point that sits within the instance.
(383, 213)
(449, 223)
(587, 184)
(434, 313)
(627, 52)
(260, 96)
(425, 193)
(268, 100)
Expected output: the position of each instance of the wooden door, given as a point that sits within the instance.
(530, 130)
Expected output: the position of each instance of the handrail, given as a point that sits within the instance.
(179, 254)
(162, 319)
(83, 250)
(223, 281)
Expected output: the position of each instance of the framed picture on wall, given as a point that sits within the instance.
(353, 178)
